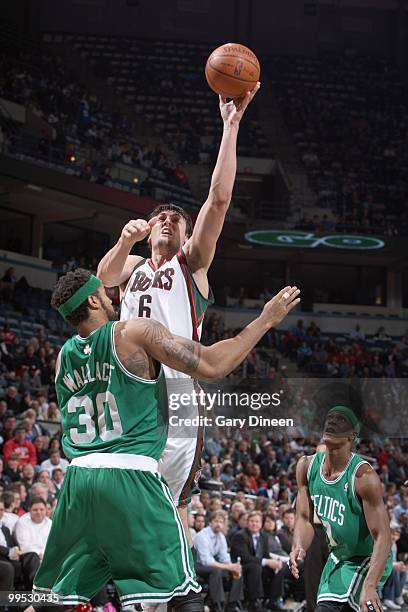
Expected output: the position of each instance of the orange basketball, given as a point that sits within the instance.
(232, 70)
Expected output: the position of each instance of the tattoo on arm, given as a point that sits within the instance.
(138, 363)
(185, 352)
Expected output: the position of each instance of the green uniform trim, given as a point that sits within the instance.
(198, 302)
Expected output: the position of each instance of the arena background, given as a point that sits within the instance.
(105, 111)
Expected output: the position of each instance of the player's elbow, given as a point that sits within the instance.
(211, 371)
(220, 199)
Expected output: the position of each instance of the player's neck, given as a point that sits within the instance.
(336, 460)
(159, 257)
(86, 328)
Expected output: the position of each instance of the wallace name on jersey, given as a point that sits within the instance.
(77, 379)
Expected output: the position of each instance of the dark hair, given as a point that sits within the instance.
(270, 517)
(173, 208)
(7, 498)
(65, 288)
(37, 500)
(288, 511)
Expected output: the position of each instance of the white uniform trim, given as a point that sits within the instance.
(353, 476)
(339, 477)
(116, 460)
(310, 467)
(354, 584)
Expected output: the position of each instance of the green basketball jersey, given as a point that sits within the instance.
(339, 509)
(105, 408)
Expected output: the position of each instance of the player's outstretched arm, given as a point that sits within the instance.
(217, 360)
(368, 489)
(304, 531)
(117, 265)
(200, 247)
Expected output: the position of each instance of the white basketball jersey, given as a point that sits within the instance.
(169, 295)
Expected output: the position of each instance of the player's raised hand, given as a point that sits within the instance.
(297, 554)
(280, 305)
(232, 111)
(135, 230)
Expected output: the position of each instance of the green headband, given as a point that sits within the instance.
(349, 414)
(80, 296)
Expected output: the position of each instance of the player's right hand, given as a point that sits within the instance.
(280, 305)
(297, 554)
(134, 231)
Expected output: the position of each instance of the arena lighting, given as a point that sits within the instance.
(72, 158)
(136, 179)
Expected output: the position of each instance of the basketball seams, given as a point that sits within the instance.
(237, 57)
(231, 76)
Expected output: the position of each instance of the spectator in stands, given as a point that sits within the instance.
(10, 568)
(199, 522)
(13, 399)
(23, 448)
(357, 334)
(237, 509)
(9, 425)
(31, 533)
(8, 283)
(53, 462)
(30, 359)
(27, 476)
(41, 447)
(393, 588)
(285, 533)
(401, 510)
(9, 518)
(31, 380)
(86, 173)
(44, 478)
(12, 469)
(58, 479)
(269, 466)
(227, 476)
(263, 576)
(274, 544)
(267, 490)
(214, 563)
(5, 479)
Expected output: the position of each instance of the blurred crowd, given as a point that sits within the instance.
(348, 116)
(77, 128)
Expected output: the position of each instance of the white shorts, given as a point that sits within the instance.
(180, 463)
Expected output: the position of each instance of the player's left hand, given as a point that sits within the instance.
(370, 600)
(232, 111)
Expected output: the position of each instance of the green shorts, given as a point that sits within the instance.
(121, 525)
(342, 581)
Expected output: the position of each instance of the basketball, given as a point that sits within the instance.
(232, 70)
